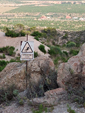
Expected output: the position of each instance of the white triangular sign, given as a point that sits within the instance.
(27, 48)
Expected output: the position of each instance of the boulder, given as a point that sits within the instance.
(73, 72)
(39, 71)
(51, 98)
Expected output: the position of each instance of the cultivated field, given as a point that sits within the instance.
(60, 16)
(58, 8)
(4, 9)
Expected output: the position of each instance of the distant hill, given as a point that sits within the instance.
(19, 1)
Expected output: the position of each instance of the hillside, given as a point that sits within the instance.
(20, 1)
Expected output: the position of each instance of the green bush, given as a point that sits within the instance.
(66, 53)
(21, 33)
(41, 109)
(36, 34)
(11, 51)
(3, 65)
(2, 56)
(50, 32)
(8, 50)
(71, 44)
(56, 60)
(36, 38)
(7, 94)
(64, 59)
(42, 48)
(35, 54)
(15, 92)
(69, 110)
(11, 33)
(73, 52)
(54, 50)
(21, 102)
(65, 36)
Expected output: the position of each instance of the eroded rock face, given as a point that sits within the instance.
(73, 72)
(39, 71)
(51, 98)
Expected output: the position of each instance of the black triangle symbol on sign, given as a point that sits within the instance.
(27, 48)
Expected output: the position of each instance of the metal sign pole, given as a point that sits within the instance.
(26, 67)
(27, 53)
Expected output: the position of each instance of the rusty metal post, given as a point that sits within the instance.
(26, 66)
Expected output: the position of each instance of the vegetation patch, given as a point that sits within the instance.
(11, 33)
(50, 32)
(37, 34)
(8, 50)
(2, 56)
(35, 54)
(42, 48)
(73, 52)
(71, 44)
(54, 50)
(8, 93)
(2, 64)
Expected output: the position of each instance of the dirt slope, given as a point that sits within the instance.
(8, 41)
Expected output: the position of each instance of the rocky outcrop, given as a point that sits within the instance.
(51, 98)
(72, 73)
(40, 73)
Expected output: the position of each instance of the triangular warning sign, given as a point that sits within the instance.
(27, 48)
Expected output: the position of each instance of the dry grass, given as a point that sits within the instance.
(5, 9)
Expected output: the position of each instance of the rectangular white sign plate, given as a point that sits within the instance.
(27, 57)
(27, 50)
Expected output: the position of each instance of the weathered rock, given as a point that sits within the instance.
(73, 72)
(55, 92)
(39, 70)
(52, 97)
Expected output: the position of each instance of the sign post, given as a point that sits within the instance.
(27, 53)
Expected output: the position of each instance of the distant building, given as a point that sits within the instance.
(81, 19)
(43, 17)
(68, 17)
(75, 18)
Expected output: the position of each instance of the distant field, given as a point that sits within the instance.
(58, 8)
(4, 9)
(61, 25)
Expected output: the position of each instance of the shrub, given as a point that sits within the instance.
(11, 33)
(21, 102)
(21, 33)
(36, 38)
(35, 54)
(56, 60)
(50, 32)
(73, 52)
(65, 36)
(71, 44)
(11, 51)
(2, 64)
(41, 109)
(69, 110)
(64, 59)
(54, 50)
(7, 94)
(2, 56)
(15, 92)
(42, 48)
(37, 34)
(66, 53)
(8, 50)
(75, 88)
